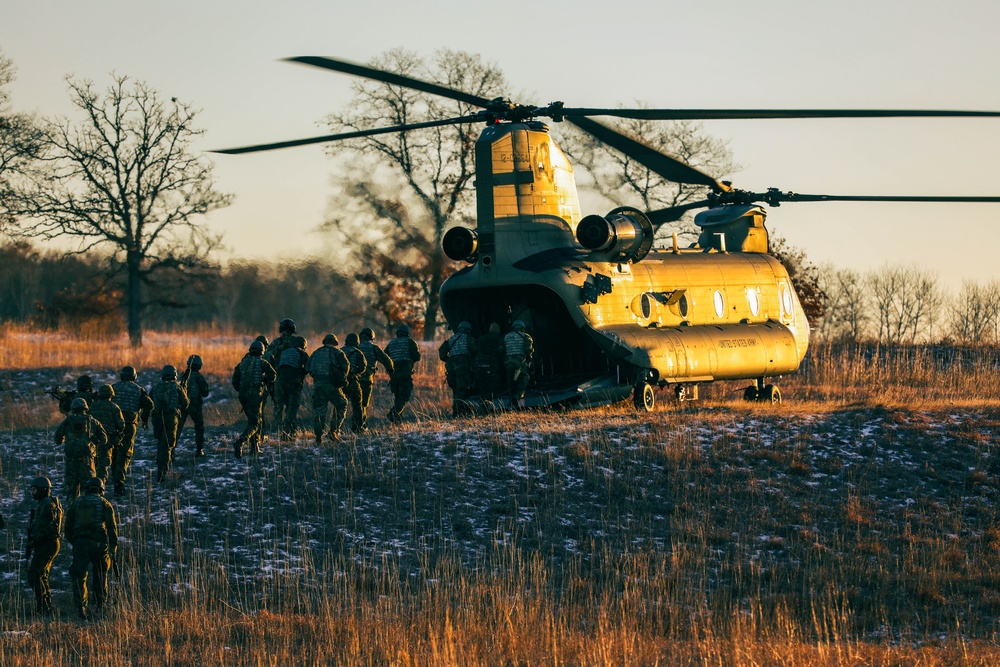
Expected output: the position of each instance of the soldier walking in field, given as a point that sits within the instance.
(374, 355)
(404, 354)
(169, 402)
(84, 390)
(111, 418)
(359, 364)
(457, 353)
(136, 406)
(518, 349)
(44, 528)
(92, 529)
(197, 390)
(291, 371)
(83, 435)
(329, 369)
(252, 379)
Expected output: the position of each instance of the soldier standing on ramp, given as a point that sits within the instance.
(404, 354)
(518, 349)
(135, 405)
(169, 401)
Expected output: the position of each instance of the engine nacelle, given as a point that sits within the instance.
(461, 244)
(625, 234)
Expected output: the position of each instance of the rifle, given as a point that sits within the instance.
(27, 545)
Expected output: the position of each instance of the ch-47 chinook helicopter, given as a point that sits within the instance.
(611, 316)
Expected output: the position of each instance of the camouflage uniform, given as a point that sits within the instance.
(487, 366)
(359, 364)
(251, 378)
(83, 435)
(457, 353)
(196, 386)
(404, 354)
(92, 529)
(169, 402)
(329, 369)
(291, 376)
(373, 357)
(111, 418)
(43, 542)
(135, 405)
(84, 389)
(518, 349)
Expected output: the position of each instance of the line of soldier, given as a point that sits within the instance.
(340, 375)
(487, 366)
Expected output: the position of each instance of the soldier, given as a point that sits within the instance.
(136, 406)
(84, 390)
(457, 353)
(404, 354)
(111, 418)
(359, 364)
(44, 528)
(169, 402)
(196, 386)
(252, 379)
(518, 349)
(291, 375)
(487, 366)
(83, 435)
(329, 369)
(92, 529)
(366, 381)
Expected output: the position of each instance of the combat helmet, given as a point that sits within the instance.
(78, 405)
(262, 339)
(41, 482)
(466, 327)
(94, 484)
(367, 334)
(330, 339)
(256, 348)
(106, 391)
(195, 361)
(300, 342)
(168, 372)
(518, 325)
(128, 373)
(84, 383)
(402, 330)
(352, 340)
(287, 324)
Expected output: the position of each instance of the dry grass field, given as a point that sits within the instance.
(857, 524)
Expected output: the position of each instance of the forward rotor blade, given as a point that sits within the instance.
(391, 78)
(736, 114)
(670, 168)
(347, 135)
(674, 213)
(796, 197)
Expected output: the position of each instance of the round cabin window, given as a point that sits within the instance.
(754, 300)
(786, 301)
(720, 303)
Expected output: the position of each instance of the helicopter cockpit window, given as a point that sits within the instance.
(754, 301)
(720, 303)
(786, 301)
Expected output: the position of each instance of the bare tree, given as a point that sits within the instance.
(125, 178)
(19, 141)
(847, 304)
(625, 182)
(399, 193)
(974, 316)
(907, 303)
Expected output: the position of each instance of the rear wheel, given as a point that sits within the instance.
(770, 394)
(643, 397)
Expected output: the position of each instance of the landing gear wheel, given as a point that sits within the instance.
(750, 394)
(770, 394)
(643, 397)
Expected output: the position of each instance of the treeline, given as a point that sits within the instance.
(50, 289)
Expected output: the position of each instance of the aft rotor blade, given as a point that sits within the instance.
(670, 168)
(674, 213)
(737, 114)
(347, 135)
(391, 78)
(795, 197)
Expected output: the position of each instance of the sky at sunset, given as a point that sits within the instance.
(223, 56)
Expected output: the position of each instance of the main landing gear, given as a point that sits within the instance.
(759, 392)
(644, 399)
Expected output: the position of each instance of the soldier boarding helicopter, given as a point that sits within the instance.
(611, 316)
